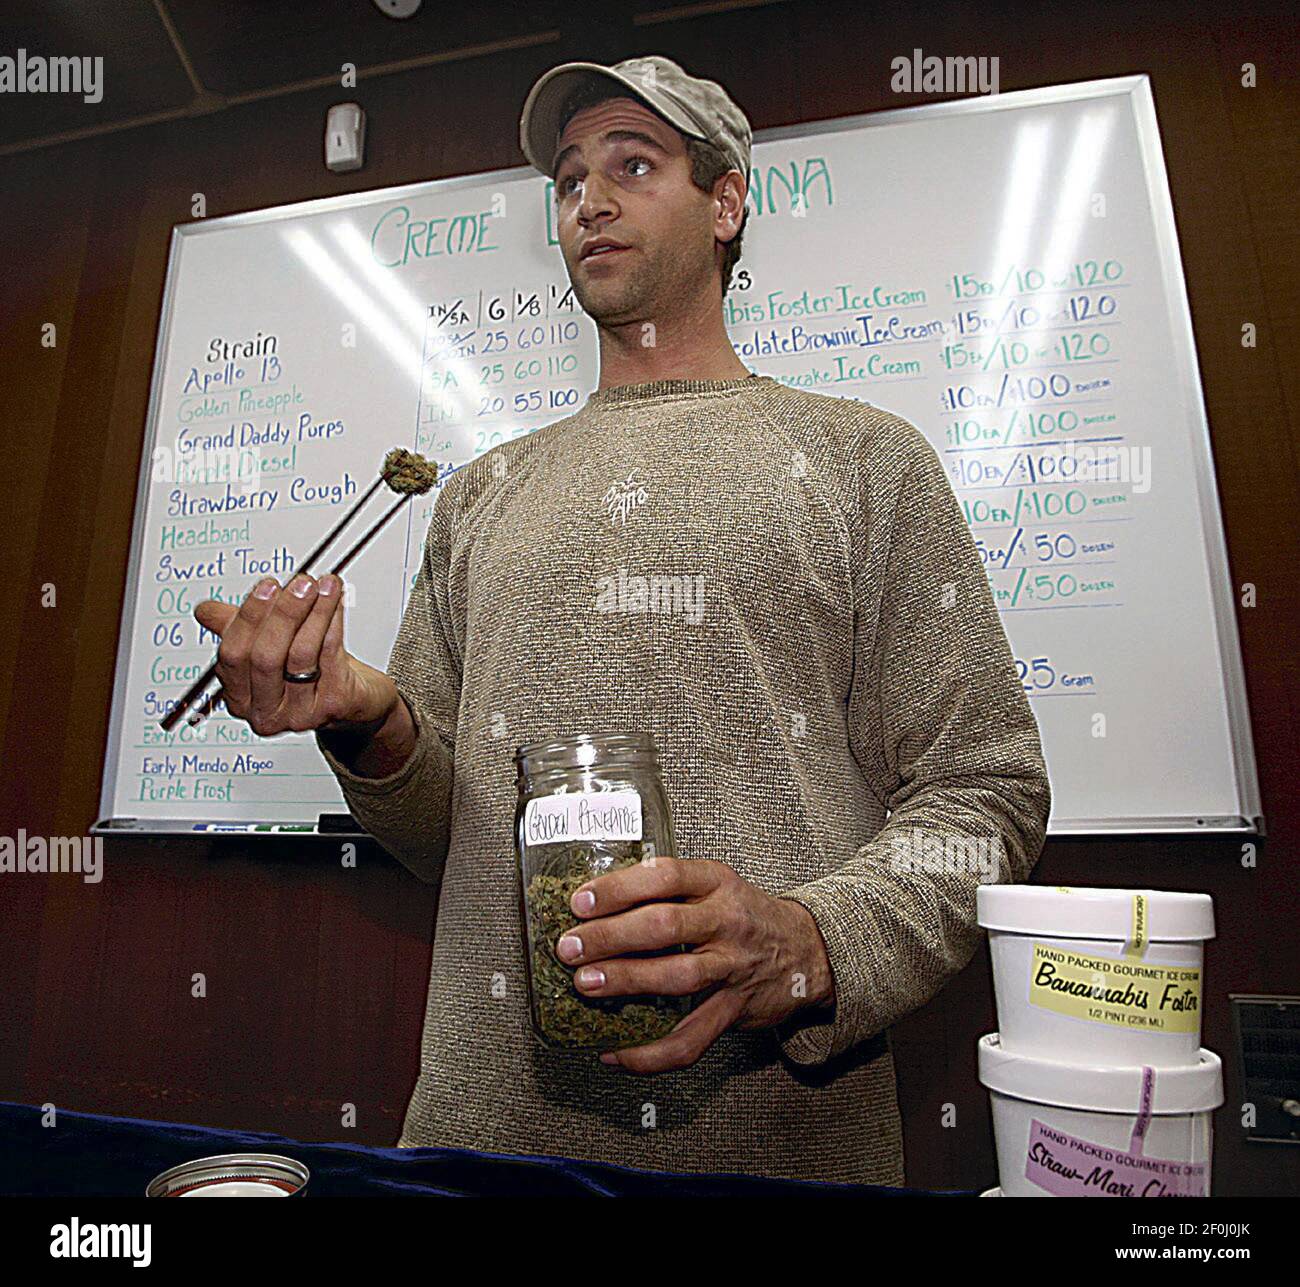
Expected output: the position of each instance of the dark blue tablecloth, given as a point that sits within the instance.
(86, 1155)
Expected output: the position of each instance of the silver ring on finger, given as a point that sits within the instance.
(302, 677)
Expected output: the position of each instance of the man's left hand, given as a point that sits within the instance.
(763, 957)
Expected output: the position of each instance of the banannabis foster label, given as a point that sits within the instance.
(1123, 992)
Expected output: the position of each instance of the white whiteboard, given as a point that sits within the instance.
(1001, 271)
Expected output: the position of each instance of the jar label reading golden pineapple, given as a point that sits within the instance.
(1120, 991)
(582, 815)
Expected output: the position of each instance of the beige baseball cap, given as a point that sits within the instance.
(699, 108)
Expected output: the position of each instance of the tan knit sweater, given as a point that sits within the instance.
(845, 660)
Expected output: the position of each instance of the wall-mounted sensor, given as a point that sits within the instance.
(345, 137)
(397, 8)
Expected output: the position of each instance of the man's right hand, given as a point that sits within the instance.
(277, 630)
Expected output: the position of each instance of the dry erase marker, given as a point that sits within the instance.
(243, 828)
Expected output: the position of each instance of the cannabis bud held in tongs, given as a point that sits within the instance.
(407, 473)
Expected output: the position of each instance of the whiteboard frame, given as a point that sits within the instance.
(1137, 89)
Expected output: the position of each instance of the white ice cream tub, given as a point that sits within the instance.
(1075, 1130)
(1102, 976)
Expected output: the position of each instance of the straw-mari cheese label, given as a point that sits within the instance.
(1069, 1167)
(582, 815)
(1121, 991)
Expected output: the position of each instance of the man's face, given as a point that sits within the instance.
(623, 174)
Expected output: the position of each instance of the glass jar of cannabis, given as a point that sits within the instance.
(588, 805)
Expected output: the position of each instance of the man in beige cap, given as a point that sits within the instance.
(650, 168)
(837, 715)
